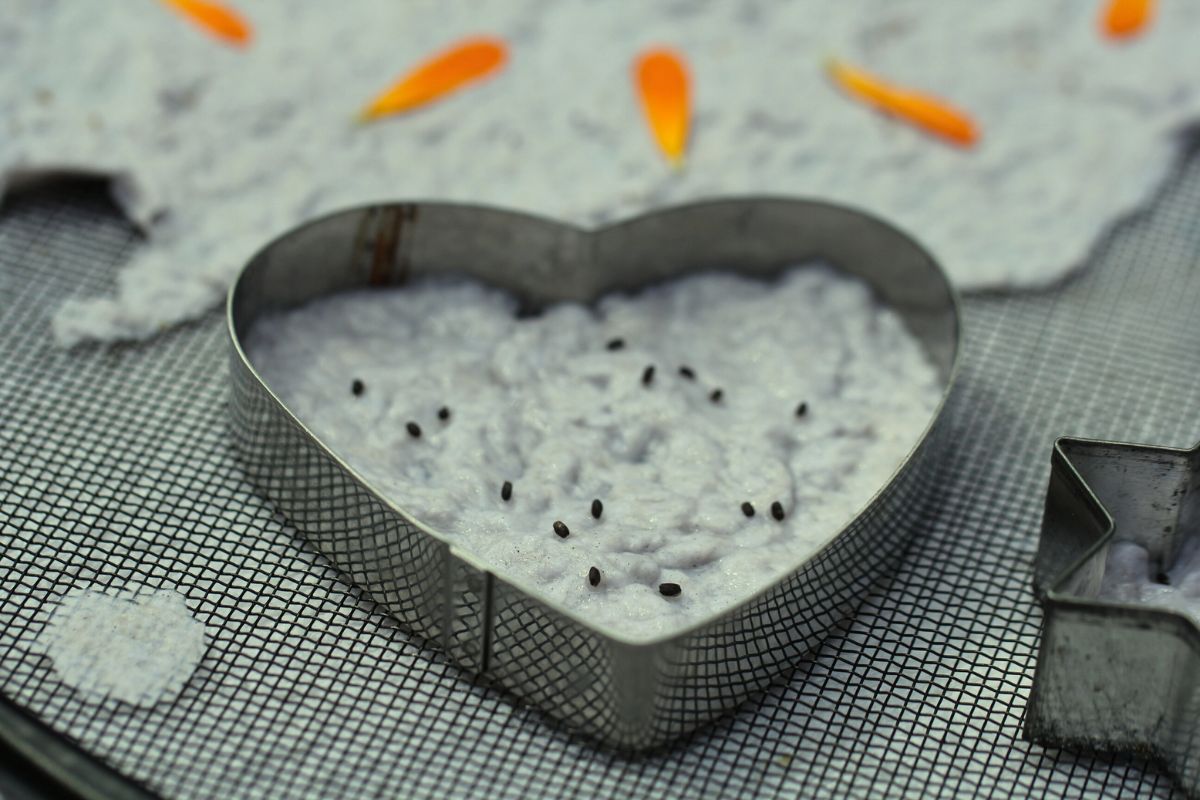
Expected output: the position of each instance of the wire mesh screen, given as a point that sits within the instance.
(116, 471)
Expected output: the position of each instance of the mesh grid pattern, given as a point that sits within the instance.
(116, 470)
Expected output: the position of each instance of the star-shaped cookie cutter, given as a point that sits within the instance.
(1114, 676)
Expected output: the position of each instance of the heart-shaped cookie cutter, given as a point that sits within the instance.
(633, 694)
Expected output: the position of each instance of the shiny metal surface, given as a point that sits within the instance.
(1113, 676)
(630, 694)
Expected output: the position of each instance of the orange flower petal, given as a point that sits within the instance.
(216, 19)
(465, 62)
(662, 81)
(923, 111)
(1126, 18)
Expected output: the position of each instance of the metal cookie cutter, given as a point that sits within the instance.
(633, 694)
(1116, 676)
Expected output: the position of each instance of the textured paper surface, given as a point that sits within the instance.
(238, 146)
(543, 403)
(138, 647)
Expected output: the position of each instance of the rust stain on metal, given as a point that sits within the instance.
(389, 262)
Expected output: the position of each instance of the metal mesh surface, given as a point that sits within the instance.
(115, 470)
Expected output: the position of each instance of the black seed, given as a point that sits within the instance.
(443, 413)
(777, 510)
(506, 491)
(597, 508)
(801, 409)
(414, 430)
(669, 589)
(688, 373)
(594, 576)
(716, 395)
(647, 375)
(748, 509)
(615, 344)
(357, 387)
(562, 530)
